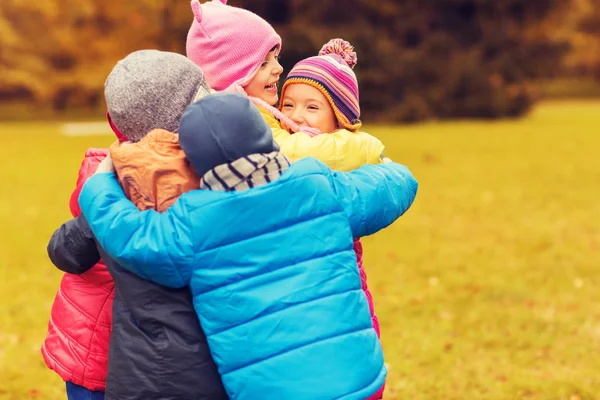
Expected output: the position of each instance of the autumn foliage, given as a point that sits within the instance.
(418, 59)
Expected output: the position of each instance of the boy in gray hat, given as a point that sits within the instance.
(145, 104)
(157, 347)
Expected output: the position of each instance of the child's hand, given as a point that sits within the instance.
(105, 165)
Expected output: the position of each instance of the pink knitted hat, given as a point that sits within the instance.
(228, 43)
(331, 73)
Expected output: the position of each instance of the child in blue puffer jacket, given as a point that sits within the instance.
(276, 288)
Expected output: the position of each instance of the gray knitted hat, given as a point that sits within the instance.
(150, 89)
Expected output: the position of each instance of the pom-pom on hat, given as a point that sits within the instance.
(331, 73)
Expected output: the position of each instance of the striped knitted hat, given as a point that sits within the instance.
(331, 73)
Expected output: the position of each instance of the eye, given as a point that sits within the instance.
(264, 64)
(313, 107)
(287, 105)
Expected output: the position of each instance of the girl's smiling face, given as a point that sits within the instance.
(307, 106)
(264, 83)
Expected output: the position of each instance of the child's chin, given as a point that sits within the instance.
(271, 98)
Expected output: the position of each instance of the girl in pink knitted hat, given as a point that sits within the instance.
(238, 51)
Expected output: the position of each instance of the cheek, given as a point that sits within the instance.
(262, 78)
(251, 87)
(314, 120)
(324, 121)
(255, 85)
(332, 121)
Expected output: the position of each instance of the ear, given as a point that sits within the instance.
(197, 10)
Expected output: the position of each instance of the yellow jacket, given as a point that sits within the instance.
(342, 150)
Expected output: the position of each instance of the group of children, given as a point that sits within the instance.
(243, 277)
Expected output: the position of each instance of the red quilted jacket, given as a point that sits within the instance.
(76, 346)
(363, 277)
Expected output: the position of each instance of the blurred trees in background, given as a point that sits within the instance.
(418, 59)
(583, 33)
(423, 59)
(57, 53)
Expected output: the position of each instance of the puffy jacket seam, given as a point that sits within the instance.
(71, 339)
(68, 336)
(286, 309)
(90, 317)
(311, 218)
(62, 366)
(70, 372)
(298, 347)
(95, 331)
(86, 278)
(94, 381)
(279, 269)
(91, 281)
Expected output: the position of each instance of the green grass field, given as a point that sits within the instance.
(486, 289)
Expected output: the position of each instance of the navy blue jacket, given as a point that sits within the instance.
(157, 347)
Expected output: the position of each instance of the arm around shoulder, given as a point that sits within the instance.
(157, 247)
(374, 196)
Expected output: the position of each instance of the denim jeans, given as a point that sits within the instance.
(76, 392)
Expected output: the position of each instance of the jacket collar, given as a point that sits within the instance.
(247, 172)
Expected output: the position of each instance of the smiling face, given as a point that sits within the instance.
(307, 106)
(264, 83)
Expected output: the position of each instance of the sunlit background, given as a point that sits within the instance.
(488, 288)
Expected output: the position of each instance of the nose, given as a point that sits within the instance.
(277, 69)
(297, 116)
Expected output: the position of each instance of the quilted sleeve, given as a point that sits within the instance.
(156, 247)
(72, 247)
(374, 196)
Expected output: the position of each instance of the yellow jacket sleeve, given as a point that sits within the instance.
(342, 150)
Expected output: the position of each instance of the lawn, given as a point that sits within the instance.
(486, 289)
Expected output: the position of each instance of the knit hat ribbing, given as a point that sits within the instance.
(331, 73)
(228, 43)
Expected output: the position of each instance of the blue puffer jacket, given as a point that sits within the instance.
(272, 271)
